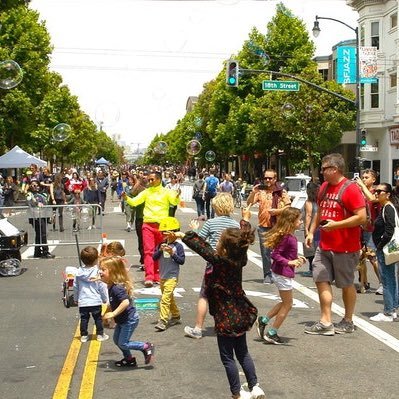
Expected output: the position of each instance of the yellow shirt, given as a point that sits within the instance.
(157, 201)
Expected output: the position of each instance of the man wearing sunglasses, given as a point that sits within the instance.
(157, 200)
(272, 199)
(338, 253)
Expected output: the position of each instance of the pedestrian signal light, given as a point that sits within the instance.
(232, 73)
(363, 139)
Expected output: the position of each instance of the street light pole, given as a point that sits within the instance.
(316, 32)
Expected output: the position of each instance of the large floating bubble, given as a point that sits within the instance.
(287, 109)
(10, 74)
(61, 132)
(210, 156)
(198, 135)
(193, 147)
(197, 121)
(161, 147)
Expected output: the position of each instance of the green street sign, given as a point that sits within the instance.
(282, 85)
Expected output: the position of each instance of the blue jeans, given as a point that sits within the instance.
(200, 206)
(122, 334)
(228, 346)
(389, 283)
(265, 252)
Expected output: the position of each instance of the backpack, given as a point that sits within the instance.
(198, 189)
(346, 184)
(211, 185)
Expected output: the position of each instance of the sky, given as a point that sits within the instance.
(134, 63)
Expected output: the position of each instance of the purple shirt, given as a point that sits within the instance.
(285, 251)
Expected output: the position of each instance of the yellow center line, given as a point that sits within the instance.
(89, 372)
(64, 380)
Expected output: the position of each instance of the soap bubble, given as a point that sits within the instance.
(210, 156)
(10, 74)
(197, 121)
(287, 109)
(61, 132)
(198, 135)
(193, 147)
(161, 147)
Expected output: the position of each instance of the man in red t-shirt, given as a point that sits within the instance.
(338, 253)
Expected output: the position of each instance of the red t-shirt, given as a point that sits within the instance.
(345, 239)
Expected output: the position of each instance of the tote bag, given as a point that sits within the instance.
(391, 250)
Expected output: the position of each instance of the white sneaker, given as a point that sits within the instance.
(245, 394)
(257, 392)
(84, 338)
(380, 290)
(102, 338)
(382, 317)
(90, 227)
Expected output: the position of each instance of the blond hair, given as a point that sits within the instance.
(117, 272)
(113, 248)
(223, 204)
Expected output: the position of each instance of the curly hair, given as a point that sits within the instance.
(223, 204)
(285, 225)
(117, 272)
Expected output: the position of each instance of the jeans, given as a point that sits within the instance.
(85, 312)
(210, 212)
(265, 252)
(238, 345)
(389, 283)
(200, 206)
(122, 334)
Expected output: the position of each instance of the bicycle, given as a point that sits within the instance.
(237, 198)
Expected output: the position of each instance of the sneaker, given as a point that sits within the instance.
(160, 326)
(257, 392)
(126, 362)
(382, 317)
(309, 273)
(148, 353)
(344, 327)
(268, 279)
(102, 337)
(193, 332)
(273, 339)
(320, 329)
(84, 338)
(174, 321)
(90, 227)
(380, 290)
(260, 327)
(148, 283)
(244, 394)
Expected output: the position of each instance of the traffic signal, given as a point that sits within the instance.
(363, 139)
(232, 73)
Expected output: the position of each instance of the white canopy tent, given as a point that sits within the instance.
(18, 158)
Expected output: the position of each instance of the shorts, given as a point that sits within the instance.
(329, 266)
(282, 283)
(367, 238)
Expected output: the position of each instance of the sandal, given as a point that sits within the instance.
(126, 363)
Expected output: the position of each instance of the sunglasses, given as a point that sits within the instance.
(151, 180)
(380, 191)
(268, 178)
(326, 167)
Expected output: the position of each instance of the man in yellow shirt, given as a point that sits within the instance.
(157, 200)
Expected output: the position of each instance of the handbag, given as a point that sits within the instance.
(391, 250)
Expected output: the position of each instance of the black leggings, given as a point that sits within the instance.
(238, 345)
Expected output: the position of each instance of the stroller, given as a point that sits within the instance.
(69, 277)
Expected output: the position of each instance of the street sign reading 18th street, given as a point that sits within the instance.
(284, 85)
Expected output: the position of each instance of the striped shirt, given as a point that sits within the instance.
(213, 228)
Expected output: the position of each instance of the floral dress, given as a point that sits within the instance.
(234, 314)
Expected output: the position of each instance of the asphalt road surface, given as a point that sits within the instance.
(42, 357)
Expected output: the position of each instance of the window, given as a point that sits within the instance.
(374, 95)
(324, 74)
(394, 20)
(362, 96)
(362, 36)
(393, 80)
(375, 34)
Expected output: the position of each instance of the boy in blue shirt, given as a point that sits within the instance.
(171, 256)
(90, 293)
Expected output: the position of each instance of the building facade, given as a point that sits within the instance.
(379, 102)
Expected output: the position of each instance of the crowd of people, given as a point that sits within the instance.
(342, 219)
